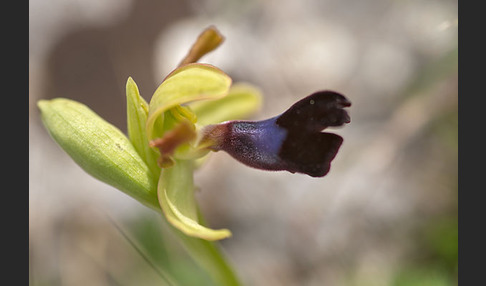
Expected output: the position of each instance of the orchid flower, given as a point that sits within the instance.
(195, 110)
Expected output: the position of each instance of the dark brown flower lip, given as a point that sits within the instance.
(292, 141)
(316, 112)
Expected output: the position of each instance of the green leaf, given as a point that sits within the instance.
(176, 198)
(242, 100)
(100, 148)
(137, 112)
(188, 83)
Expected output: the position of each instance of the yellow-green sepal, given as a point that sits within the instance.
(176, 198)
(243, 99)
(185, 84)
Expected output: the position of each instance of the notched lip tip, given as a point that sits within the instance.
(347, 119)
(344, 102)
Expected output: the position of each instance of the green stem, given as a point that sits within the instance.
(177, 182)
(208, 255)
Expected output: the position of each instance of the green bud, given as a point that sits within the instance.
(100, 148)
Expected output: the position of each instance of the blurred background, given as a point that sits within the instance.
(386, 214)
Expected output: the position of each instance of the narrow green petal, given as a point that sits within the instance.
(207, 41)
(176, 198)
(174, 140)
(188, 83)
(137, 112)
(242, 100)
(100, 148)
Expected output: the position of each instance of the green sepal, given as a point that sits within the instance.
(185, 84)
(242, 100)
(176, 198)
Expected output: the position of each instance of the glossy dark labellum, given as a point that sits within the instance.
(292, 141)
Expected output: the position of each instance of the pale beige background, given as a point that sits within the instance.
(397, 168)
